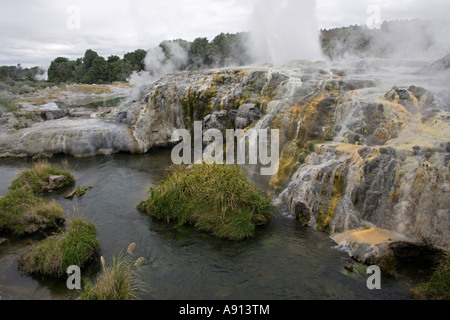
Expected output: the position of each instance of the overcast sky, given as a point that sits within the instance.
(34, 32)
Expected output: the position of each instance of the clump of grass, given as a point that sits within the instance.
(117, 282)
(438, 287)
(7, 106)
(37, 178)
(21, 212)
(51, 257)
(214, 198)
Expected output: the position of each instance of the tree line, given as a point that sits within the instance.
(198, 54)
(18, 73)
(92, 68)
(400, 37)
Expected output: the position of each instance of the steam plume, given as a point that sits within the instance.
(157, 65)
(285, 30)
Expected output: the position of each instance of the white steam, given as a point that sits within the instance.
(157, 65)
(414, 39)
(285, 30)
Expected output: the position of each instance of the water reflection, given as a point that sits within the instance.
(284, 261)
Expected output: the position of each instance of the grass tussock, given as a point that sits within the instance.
(438, 287)
(7, 106)
(21, 212)
(117, 282)
(37, 178)
(51, 257)
(214, 198)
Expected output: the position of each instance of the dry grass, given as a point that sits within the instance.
(89, 89)
(117, 282)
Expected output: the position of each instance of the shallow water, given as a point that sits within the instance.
(285, 261)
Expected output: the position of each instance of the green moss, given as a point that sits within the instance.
(214, 198)
(290, 161)
(197, 105)
(328, 136)
(19, 125)
(79, 192)
(30, 115)
(327, 209)
(438, 287)
(220, 78)
(51, 257)
(37, 178)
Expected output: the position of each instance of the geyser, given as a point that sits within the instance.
(286, 30)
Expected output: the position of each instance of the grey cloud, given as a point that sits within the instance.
(37, 31)
(335, 13)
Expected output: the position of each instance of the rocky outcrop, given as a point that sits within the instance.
(177, 100)
(246, 115)
(354, 150)
(344, 187)
(368, 245)
(391, 251)
(65, 136)
(216, 120)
